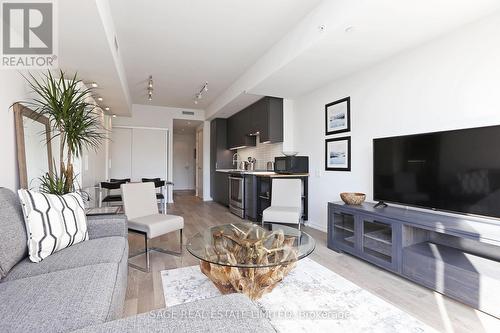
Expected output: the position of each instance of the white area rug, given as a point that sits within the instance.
(311, 298)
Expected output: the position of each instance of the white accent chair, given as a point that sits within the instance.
(286, 202)
(141, 209)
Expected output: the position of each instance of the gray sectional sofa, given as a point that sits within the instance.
(77, 287)
(83, 287)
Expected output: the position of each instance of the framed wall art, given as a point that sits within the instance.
(338, 154)
(338, 116)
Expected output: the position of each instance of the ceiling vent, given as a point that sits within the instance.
(188, 113)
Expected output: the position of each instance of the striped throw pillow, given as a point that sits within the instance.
(53, 222)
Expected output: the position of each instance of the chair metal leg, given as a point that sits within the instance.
(177, 254)
(147, 249)
(180, 241)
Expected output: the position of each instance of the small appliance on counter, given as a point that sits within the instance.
(252, 162)
(243, 165)
(291, 164)
(270, 166)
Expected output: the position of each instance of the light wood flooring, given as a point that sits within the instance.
(145, 292)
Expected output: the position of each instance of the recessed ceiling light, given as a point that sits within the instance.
(195, 102)
(322, 28)
(349, 29)
(107, 108)
(100, 99)
(94, 85)
(114, 116)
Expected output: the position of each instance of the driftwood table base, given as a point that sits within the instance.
(248, 259)
(253, 282)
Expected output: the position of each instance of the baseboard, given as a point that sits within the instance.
(313, 225)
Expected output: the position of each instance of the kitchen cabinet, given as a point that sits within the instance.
(264, 116)
(263, 195)
(251, 197)
(220, 188)
(238, 129)
(269, 115)
(220, 156)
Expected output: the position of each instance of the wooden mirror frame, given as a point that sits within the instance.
(20, 111)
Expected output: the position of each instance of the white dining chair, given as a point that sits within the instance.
(286, 202)
(141, 209)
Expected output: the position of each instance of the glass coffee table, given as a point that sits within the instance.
(248, 258)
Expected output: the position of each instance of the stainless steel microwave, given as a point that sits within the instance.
(291, 164)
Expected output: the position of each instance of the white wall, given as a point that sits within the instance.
(288, 125)
(452, 82)
(184, 161)
(92, 164)
(163, 117)
(12, 89)
(206, 161)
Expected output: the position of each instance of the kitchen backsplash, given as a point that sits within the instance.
(263, 153)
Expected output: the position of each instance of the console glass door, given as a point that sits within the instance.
(377, 240)
(344, 229)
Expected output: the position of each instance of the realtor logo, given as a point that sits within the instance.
(28, 34)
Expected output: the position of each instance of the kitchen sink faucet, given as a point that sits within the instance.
(236, 157)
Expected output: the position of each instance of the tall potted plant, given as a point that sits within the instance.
(73, 119)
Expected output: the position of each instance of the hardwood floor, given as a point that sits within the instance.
(145, 291)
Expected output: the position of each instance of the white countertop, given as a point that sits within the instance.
(247, 172)
(262, 173)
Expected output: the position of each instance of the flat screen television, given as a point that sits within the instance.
(457, 171)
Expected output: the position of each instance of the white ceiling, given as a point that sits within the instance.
(380, 29)
(184, 43)
(84, 49)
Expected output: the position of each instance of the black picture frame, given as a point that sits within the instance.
(347, 127)
(347, 167)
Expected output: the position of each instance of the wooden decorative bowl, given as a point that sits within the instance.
(353, 198)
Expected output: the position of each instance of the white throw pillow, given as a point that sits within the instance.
(53, 222)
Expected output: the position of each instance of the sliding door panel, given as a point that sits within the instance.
(149, 153)
(121, 153)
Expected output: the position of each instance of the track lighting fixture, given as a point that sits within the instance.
(150, 88)
(199, 95)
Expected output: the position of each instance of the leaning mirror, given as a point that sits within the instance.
(34, 155)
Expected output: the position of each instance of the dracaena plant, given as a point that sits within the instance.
(65, 102)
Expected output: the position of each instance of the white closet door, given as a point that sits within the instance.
(149, 153)
(121, 153)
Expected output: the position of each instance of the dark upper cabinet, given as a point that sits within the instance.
(264, 116)
(237, 131)
(272, 131)
(220, 156)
